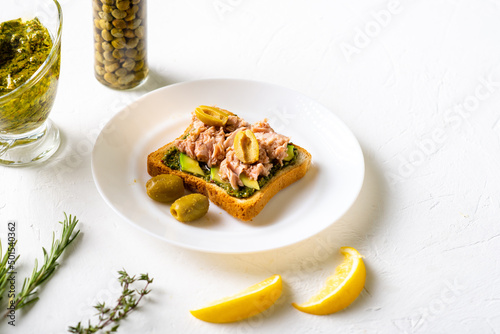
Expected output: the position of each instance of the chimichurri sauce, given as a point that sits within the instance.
(24, 46)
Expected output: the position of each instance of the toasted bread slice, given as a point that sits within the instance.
(241, 208)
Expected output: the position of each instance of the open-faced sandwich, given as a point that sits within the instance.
(239, 166)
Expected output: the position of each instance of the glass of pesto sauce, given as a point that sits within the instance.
(30, 56)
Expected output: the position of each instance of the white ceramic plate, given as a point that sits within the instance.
(294, 214)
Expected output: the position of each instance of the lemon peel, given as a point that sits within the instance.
(341, 289)
(251, 301)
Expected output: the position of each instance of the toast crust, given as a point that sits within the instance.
(241, 208)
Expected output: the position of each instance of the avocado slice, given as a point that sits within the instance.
(190, 165)
(289, 152)
(214, 175)
(248, 182)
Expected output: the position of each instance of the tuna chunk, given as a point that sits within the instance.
(232, 167)
(204, 143)
(273, 143)
(234, 122)
(214, 146)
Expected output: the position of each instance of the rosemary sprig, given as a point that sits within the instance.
(126, 304)
(5, 266)
(31, 284)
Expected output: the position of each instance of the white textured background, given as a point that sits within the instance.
(420, 88)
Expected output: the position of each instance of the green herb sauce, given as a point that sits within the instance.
(171, 159)
(24, 47)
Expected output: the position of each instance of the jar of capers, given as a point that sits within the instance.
(120, 42)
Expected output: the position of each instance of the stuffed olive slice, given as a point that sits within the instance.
(212, 116)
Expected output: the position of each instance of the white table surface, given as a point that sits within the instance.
(418, 82)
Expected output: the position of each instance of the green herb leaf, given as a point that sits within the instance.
(126, 304)
(27, 295)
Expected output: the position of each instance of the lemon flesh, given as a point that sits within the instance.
(341, 289)
(245, 304)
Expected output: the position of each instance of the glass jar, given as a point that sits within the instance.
(27, 136)
(120, 42)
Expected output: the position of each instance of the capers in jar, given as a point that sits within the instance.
(123, 5)
(110, 77)
(128, 33)
(139, 32)
(126, 79)
(108, 55)
(100, 70)
(118, 14)
(165, 188)
(115, 32)
(119, 24)
(132, 43)
(129, 64)
(190, 207)
(120, 42)
(106, 46)
(111, 67)
(118, 54)
(131, 53)
(121, 72)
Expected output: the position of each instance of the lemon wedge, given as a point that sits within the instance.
(341, 289)
(245, 304)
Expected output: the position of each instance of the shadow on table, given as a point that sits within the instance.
(155, 80)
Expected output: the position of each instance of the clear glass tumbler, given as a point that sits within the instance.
(26, 134)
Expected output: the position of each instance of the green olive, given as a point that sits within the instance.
(190, 207)
(218, 110)
(211, 116)
(246, 147)
(165, 188)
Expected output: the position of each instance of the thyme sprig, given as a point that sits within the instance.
(126, 303)
(28, 292)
